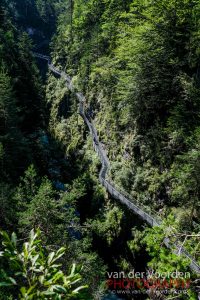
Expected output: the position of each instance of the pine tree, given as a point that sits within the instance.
(8, 110)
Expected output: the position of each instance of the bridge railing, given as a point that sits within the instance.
(39, 55)
(137, 210)
(148, 211)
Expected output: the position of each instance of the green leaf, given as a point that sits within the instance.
(34, 259)
(79, 288)
(14, 239)
(73, 269)
(59, 288)
(3, 283)
(50, 257)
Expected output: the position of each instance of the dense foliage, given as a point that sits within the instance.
(137, 62)
(38, 186)
(34, 273)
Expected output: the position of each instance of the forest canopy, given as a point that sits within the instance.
(137, 65)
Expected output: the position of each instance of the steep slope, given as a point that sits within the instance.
(37, 186)
(137, 64)
(110, 187)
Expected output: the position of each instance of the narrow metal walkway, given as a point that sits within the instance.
(110, 187)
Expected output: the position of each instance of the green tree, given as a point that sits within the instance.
(28, 186)
(11, 138)
(44, 212)
(40, 205)
(8, 110)
(185, 185)
(108, 225)
(166, 258)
